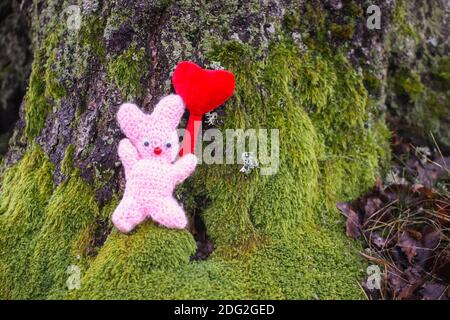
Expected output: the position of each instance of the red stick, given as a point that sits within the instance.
(190, 135)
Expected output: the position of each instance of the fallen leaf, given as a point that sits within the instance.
(430, 240)
(426, 193)
(396, 281)
(344, 207)
(433, 291)
(353, 226)
(407, 292)
(372, 205)
(406, 226)
(442, 265)
(408, 245)
(414, 280)
(378, 241)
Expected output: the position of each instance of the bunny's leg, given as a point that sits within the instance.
(128, 214)
(168, 213)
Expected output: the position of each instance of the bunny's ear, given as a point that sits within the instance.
(130, 119)
(169, 111)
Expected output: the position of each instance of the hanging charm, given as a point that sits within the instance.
(250, 162)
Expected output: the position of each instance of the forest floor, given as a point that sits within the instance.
(404, 222)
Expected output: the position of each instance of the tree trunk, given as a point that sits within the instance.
(15, 63)
(311, 69)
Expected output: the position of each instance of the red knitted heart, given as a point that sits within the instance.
(202, 90)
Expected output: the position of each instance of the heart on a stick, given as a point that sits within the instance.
(202, 91)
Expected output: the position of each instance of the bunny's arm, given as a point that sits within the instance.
(184, 167)
(128, 154)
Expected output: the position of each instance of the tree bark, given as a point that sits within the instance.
(311, 69)
(15, 63)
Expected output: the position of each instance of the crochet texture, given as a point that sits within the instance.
(148, 155)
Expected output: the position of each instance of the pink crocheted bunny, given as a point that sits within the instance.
(148, 157)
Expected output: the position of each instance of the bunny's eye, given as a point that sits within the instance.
(168, 144)
(146, 143)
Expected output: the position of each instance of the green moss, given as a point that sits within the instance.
(127, 70)
(314, 20)
(291, 21)
(26, 189)
(317, 25)
(53, 89)
(37, 106)
(67, 162)
(43, 87)
(400, 18)
(371, 82)
(353, 9)
(127, 259)
(91, 36)
(42, 232)
(342, 31)
(64, 237)
(408, 83)
(309, 20)
(441, 74)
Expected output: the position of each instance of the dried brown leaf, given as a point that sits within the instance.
(433, 291)
(344, 207)
(408, 245)
(353, 226)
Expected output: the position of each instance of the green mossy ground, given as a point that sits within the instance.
(278, 236)
(43, 230)
(26, 189)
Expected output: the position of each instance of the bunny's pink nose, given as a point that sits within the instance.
(157, 151)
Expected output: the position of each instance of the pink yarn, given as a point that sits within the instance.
(148, 158)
